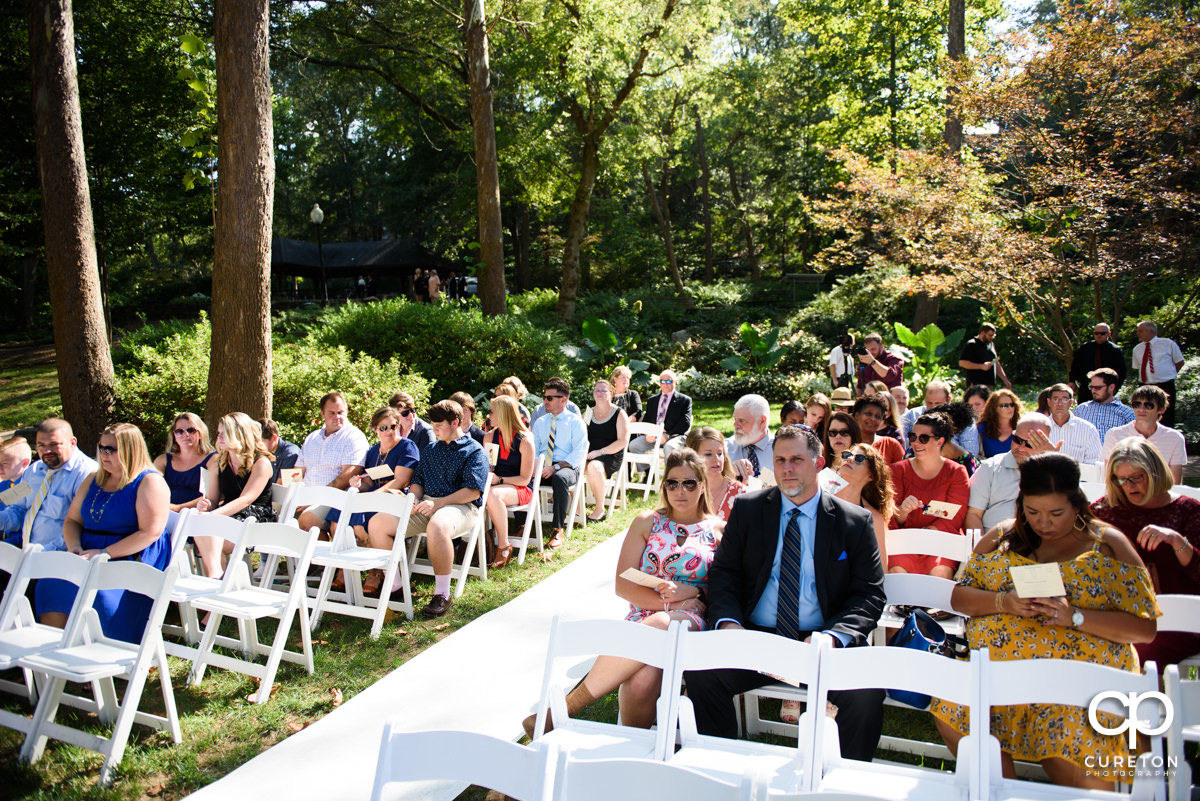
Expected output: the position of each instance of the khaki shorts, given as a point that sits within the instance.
(467, 515)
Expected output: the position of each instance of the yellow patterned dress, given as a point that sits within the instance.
(1034, 732)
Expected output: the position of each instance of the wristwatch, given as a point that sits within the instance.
(1077, 618)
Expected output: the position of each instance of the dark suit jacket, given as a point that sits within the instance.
(1084, 361)
(846, 561)
(679, 414)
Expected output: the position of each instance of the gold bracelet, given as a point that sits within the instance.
(1000, 600)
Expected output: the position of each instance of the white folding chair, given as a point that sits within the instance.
(1094, 490)
(928, 542)
(90, 657)
(22, 615)
(476, 546)
(900, 669)
(304, 496)
(1186, 491)
(1184, 695)
(650, 460)
(1074, 683)
(572, 645)
(189, 585)
(606, 779)
(915, 589)
(785, 768)
(240, 599)
(1093, 473)
(533, 517)
(1180, 613)
(464, 757)
(344, 553)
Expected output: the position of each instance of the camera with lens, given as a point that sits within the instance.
(861, 350)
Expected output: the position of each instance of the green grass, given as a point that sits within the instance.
(222, 729)
(719, 415)
(30, 395)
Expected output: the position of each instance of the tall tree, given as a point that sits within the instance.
(239, 377)
(85, 371)
(487, 171)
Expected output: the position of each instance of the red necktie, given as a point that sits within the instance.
(1147, 364)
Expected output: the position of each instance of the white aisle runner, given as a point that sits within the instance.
(485, 677)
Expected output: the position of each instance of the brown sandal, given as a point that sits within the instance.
(371, 583)
(501, 559)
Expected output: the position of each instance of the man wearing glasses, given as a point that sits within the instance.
(997, 479)
(411, 426)
(670, 409)
(1099, 352)
(561, 437)
(1079, 438)
(1105, 409)
(48, 487)
(1148, 405)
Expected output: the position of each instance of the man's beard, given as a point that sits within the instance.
(745, 440)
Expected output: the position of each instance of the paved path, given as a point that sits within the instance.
(485, 677)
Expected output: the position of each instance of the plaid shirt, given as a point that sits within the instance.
(1105, 415)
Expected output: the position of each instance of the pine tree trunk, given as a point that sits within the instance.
(239, 376)
(85, 371)
(492, 298)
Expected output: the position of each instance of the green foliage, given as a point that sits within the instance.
(456, 349)
(931, 355)
(860, 303)
(774, 386)
(1187, 399)
(765, 351)
(604, 349)
(169, 374)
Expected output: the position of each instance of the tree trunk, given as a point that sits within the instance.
(577, 228)
(705, 203)
(522, 225)
(747, 230)
(662, 213)
(239, 375)
(492, 299)
(28, 286)
(956, 50)
(927, 310)
(85, 371)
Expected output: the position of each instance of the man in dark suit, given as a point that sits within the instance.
(1101, 351)
(671, 409)
(794, 560)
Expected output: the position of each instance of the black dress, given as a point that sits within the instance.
(631, 402)
(231, 486)
(603, 434)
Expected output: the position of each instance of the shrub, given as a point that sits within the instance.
(1187, 399)
(456, 349)
(158, 381)
(774, 386)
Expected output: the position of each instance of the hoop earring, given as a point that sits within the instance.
(1080, 523)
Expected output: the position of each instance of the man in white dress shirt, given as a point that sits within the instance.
(331, 455)
(1156, 361)
(1080, 439)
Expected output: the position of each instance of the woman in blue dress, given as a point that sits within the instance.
(395, 452)
(1000, 415)
(184, 461)
(121, 510)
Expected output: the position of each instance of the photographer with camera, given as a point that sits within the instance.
(877, 363)
(841, 362)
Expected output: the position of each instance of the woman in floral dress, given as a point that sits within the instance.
(676, 544)
(1108, 607)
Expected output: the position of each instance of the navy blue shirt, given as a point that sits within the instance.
(286, 454)
(447, 467)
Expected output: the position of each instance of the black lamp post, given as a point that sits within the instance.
(318, 217)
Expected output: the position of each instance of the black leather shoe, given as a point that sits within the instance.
(438, 606)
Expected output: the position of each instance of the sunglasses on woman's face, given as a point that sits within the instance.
(858, 458)
(834, 433)
(923, 438)
(1006, 405)
(392, 427)
(179, 432)
(688, 484)
(107, 449)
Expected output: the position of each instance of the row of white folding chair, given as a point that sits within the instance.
(476, 549)
(20, 616)
(544, 772)
(575, 506)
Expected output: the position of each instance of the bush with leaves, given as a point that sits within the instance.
(1187, 399)
(774, 386)
(929, 355)
(158, 381)
(456, 349)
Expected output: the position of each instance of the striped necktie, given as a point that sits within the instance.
(35, 507)
(787, 611)
(752, 455)
(550, 442)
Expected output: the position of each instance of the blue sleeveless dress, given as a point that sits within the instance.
(185, 484)
(109, 517)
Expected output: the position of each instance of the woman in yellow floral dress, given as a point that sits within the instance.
(1109, 605)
